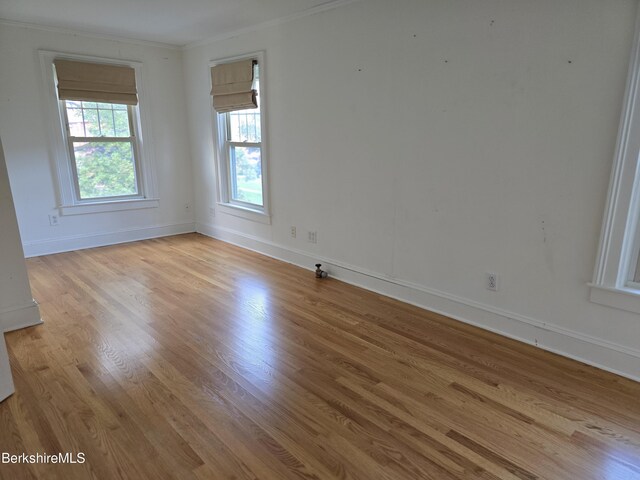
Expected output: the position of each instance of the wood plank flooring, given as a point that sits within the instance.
(188, 358)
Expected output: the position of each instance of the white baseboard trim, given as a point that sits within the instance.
(20, 316)
(599, 353)
(80, 242)
(6, 379)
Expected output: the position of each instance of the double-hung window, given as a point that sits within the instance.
(243, 152)
(96, 123)
(103, 149)
(239, 120)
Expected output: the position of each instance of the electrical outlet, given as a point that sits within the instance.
(312, 237)
(212, 211)
(293, 231)
(53, 220)
(492, 282)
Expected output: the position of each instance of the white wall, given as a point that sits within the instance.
(17, 308)
(23, 127)
(427, 141)
(431, 141)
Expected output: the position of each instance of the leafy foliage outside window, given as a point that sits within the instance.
(246, 175)
(245, 151)
(105, 169)
(103, 148)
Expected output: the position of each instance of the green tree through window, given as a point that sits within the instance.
(103, 149)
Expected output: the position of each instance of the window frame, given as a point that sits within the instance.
(229, 144)
(68, 193)
(220, 128)
(131, 139)
(619, 248)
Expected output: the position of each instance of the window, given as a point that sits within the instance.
(616, 281)
(240, 146)
(244, 158)
(103, 149)
(96, 115)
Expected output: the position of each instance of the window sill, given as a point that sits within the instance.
(110, 206)
(244, 212)
(622, 298)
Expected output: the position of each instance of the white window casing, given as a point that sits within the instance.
(69, 201)
(613, 281)
(222, 145)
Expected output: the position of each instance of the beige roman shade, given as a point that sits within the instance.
(232, 86)
(96, 82)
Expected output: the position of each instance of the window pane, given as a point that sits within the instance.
(91, 124)
(244, 126)
(121, 119)
(76, 125)
(107, 122)
(246, 175)
(105, 169)
(91, 119)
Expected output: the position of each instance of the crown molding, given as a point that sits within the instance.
(84, 33)
(270, 23)
(215, 38)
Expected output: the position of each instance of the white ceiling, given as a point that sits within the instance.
(177, 22)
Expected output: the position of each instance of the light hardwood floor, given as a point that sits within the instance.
(188, 358)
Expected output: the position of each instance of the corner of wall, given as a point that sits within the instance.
(20, 317)
(575, 345)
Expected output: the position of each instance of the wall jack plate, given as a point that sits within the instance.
(491, 282)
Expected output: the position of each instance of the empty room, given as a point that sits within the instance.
(320, 239)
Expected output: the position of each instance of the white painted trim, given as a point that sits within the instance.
(110, 206)
(618, 359)
(270, 23)
(246, 213)
(170, 46)
(221, 163)
(85, 33)
(618, 239)
(79, 242)
(20, 316)
(6, 379)
(59, 147)
(623, 299)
